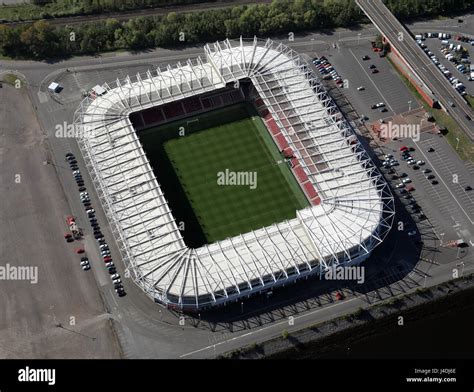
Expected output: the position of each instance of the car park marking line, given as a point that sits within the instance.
(368, 76)
(447, 188)
(442, 157)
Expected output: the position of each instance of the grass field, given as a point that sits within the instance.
(233, 139)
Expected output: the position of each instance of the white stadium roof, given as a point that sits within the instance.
(354, 215)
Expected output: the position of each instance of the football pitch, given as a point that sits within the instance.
(231, 173)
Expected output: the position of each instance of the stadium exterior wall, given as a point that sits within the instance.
(94, 119)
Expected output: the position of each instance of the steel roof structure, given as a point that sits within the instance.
(354, 215)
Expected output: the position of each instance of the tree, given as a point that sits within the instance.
(10, 43)
(40, 40)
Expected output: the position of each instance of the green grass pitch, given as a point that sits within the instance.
(233, 138)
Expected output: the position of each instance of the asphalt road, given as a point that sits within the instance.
(144, 329)
(384, 20)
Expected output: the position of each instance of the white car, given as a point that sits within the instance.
(83, 263)
(360, 88)
(388, 156)
(76, 172)
(411, 162)
(90, 211)
(406, 180)
(380, 105)
(401, 185)
(104, 246)
(412, 233)
(115, 276)
(420, 163)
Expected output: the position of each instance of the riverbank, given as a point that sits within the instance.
(344, 337)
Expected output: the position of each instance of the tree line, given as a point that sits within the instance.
(41, 40)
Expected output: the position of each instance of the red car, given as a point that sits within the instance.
(107, 259)
(79, 250)
(339, 296)
(404, 148)
(410, 189)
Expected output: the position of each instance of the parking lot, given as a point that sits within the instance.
(382, 87)
(448, 207)
(434, 45)
(447, 204)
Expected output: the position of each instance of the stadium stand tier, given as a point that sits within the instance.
(351, 208)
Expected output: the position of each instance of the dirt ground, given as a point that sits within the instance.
(62, 315)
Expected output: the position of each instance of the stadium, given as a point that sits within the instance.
(255, 105)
